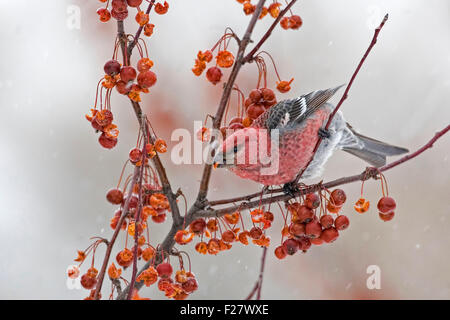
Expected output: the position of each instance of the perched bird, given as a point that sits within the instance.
(287, 134)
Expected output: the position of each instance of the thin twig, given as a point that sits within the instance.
(111, 242)
(258, 285)
(139, 31)
(345, 94)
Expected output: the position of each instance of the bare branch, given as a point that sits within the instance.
(203, 191)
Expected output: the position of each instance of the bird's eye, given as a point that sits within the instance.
(235, 149)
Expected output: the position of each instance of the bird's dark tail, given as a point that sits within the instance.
(373, 151)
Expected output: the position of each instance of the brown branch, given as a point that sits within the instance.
(138, 216)
(258, 285)
(111, 242)
(203, 191)
(249, 57)
(344, 96)
(139, 31)
(167, 189)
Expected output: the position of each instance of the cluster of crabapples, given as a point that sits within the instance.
(128, 80)
(179, 287)
(219, 234)
(258, 100)
(119, 11)
(308, 228)
(291, 22)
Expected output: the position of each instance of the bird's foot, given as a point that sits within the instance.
(324, 134)
(290, 188)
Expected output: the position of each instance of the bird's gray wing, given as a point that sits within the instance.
(291, 112)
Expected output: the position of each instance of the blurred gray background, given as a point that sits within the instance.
(55, 174)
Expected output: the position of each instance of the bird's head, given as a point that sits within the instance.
(241, 149)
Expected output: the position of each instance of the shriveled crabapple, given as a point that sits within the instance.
(242, 237)
(142, 18)
(160, 146)
(232, 218)
(313, 229)
(114, 272)
(107, 142)
(148, 29)
(124, 258)
(254, 111)
(329, 235)
(190, 285)
(212, 225)
(225, 59)
(214, 246)
(161, 9)
(122, 87)
(274, 9)
(255, 95)
(73, 272)
(103, 117)
(304, 214)
(304, 244)
(119, 16)
(249, 8)
(290, 246)
(114, 196)
(297, 229)
(104, 14)
(205, 56)
(112, 67)
(362, 205)
(386, 205)
(312, 201)
(267, 94)
(295, 22)
(160, 218)
(228, 236)
(146, 79)
(135, 155)
(285, 23)
(326, 221)
(198, 226)
(284, 86)
(164, 270)
(127, 74)
(144, 64)
(214, 75)
(119, 5)
(255, 233)
(338, 197)
(280, 252)
(341, 222)
(149, 276)
(148, 253)
(134, 3)
(88, 282)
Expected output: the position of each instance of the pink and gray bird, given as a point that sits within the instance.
(298, 124)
